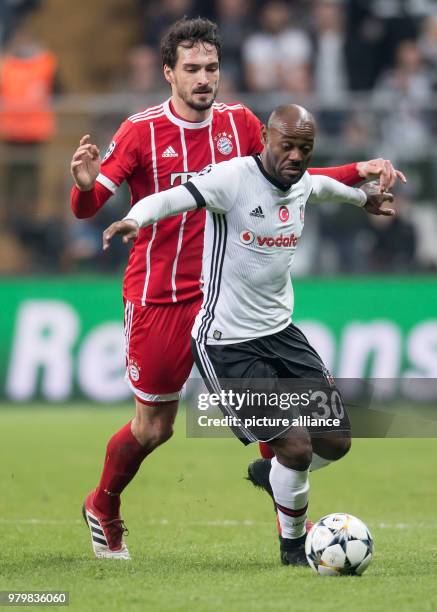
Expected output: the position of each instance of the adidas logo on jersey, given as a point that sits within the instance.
(169, 152)
(257, 212)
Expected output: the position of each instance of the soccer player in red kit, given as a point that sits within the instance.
(154, 150)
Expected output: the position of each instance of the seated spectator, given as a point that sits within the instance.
(228, 90)
(428, 45)
(142, 84)
(277, 57)
(144, 74)
(233, 19)
(389, 244)
(159, 16)
(404, 93)
(330, 78)
(364, 36)
(329, 69)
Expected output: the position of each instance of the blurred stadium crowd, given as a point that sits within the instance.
(367, 68)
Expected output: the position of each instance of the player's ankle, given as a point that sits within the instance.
(106, 502)
(293, 543)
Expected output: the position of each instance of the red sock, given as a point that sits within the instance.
(124, 455)
(265, 451)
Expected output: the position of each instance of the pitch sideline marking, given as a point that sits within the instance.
(217, 523)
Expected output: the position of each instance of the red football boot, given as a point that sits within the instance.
(106, 532)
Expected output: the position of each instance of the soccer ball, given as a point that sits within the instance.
(339, 545)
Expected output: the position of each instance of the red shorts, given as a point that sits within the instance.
(158, 354)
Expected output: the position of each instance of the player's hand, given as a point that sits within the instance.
(128, 229)
(376, 200)
(381, 169)
(85, 164)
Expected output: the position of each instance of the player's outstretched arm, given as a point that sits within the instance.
(326, 189)
(382, 170)
(369, 196)
(151, 209)
(85, 164)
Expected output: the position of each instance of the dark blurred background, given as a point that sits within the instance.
(366, 68)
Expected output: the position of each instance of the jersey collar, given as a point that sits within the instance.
(188, 125)
(269, 177)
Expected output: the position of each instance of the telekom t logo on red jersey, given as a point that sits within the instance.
(183, 176)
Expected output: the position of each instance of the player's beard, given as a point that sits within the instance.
(200, 105)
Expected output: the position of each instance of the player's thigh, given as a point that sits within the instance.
(302, 370)
(246, 383)
(294, 356)
(232, 364)
(158, 353)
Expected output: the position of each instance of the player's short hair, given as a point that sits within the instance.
(189, 32)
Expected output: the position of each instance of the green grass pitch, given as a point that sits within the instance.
(201, 537)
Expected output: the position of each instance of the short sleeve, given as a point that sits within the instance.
(121, 157)
(216, 186)
(253, 126)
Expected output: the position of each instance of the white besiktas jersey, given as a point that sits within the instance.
(253, 224)
(252, 229)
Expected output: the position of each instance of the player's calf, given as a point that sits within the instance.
(290, 486)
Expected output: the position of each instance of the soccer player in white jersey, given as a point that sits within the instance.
(153, 150)
(244, 327)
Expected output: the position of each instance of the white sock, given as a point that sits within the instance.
(290, 490)
(318, 462)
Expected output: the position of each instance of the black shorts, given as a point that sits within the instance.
(266, 369)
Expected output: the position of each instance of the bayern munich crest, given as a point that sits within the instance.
(134, 372)
(224, 144)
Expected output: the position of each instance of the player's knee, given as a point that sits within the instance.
(153, 425)
(335, 448)
(163, 433)
(295, 453)
(342, 447)
(153, 433)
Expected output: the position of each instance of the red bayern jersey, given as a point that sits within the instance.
(154, 150)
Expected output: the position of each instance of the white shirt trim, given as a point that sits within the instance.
(234, 129)
(182, 225)
(155, 227)
(188, 125)
(103, 180)
(211, 145)
(152, 397)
